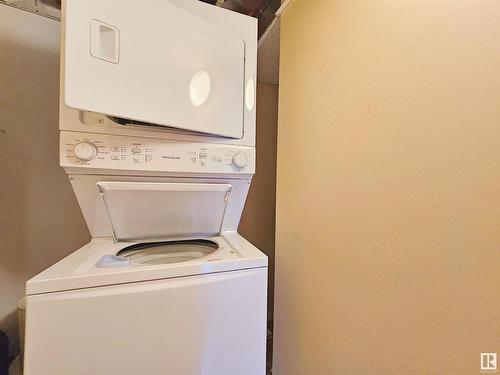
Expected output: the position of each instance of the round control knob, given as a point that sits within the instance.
(85, 151)
(239, 160)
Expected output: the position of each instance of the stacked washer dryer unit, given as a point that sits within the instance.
(157, 120)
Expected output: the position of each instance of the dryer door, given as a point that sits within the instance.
(154, 62)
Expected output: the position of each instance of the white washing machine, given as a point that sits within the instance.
(157, 121)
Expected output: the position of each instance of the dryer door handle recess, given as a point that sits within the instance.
(104, 41)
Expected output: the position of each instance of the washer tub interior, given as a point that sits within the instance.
(166, 252)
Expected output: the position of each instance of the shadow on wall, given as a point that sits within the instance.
(40, 221)
(258, 219)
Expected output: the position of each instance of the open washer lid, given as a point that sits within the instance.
(149, 211)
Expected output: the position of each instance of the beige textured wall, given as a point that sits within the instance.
(388, 191)
(258, 219)
(40, 221)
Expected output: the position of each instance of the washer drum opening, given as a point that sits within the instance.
(166, 252)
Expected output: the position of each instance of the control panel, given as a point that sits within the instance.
(101, 151)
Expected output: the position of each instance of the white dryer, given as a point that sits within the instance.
(157, 123)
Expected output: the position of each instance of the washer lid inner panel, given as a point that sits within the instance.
(152, 211)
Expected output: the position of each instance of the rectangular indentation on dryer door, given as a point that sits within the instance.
(104, 41)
